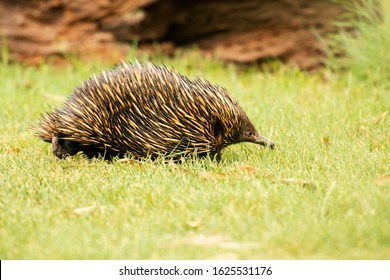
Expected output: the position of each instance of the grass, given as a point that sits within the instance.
(322, 194)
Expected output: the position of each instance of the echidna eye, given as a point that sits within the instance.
(250, 133)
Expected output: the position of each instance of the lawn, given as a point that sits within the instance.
(323, 193)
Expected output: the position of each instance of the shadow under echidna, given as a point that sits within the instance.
(147, 111)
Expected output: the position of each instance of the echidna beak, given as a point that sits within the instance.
(265, 142)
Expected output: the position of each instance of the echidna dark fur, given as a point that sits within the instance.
(147, 110)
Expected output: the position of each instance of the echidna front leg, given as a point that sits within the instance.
(63, 148)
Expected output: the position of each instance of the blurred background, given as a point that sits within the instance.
(248, 31)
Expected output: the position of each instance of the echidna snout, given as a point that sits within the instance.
(264, 142)
(256, 138)
(250, 134)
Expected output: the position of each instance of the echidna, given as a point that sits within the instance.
(147, 111)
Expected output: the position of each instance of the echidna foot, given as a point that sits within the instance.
(62, 148)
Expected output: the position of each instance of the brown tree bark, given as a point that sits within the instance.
(241, 31)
